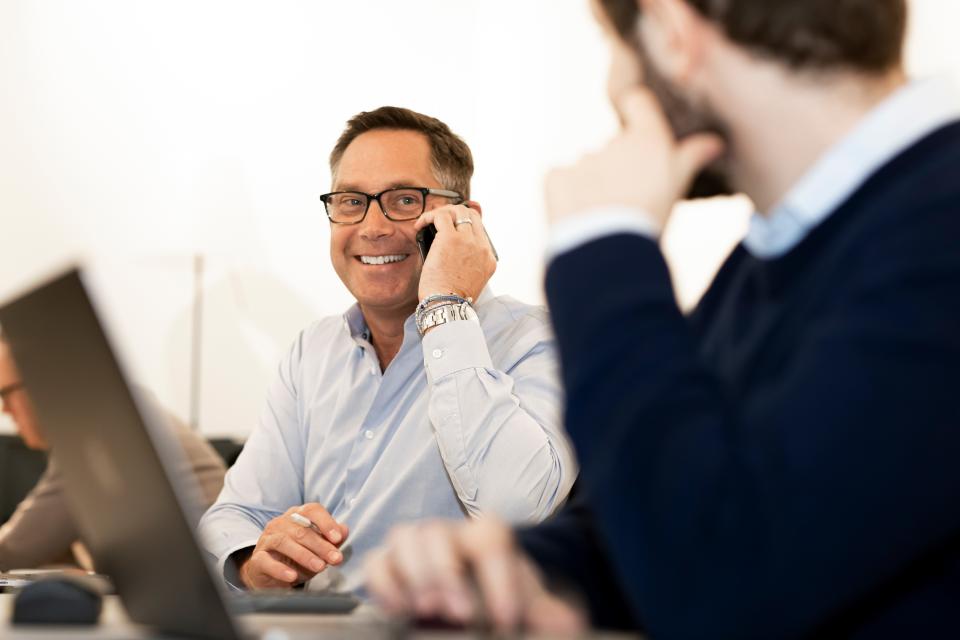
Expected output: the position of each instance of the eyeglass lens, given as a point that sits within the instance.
(398, 204)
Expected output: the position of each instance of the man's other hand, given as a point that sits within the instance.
(466, 573)
(461, 259)
(288, 553)
(644, 167)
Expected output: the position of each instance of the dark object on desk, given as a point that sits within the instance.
(312, 602)
(58, 601)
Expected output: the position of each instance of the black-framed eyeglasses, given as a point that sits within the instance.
(399, 204)
(10, 388)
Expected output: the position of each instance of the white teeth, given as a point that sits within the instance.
(382, 259)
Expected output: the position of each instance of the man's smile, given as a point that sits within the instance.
(382, 259)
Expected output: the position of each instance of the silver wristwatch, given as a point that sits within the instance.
(445, 313)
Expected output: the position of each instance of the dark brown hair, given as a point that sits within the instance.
(449, 154)
(861, 35)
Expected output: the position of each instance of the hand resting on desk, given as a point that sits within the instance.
(466, 573)
(289, 553)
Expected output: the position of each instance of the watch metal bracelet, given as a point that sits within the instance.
(445, 313)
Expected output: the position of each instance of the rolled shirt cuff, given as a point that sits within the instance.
(453, 347)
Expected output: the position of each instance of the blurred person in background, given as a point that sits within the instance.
(783, 462)
(41, 531)
(429, 397)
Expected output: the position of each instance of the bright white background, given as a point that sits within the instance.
(137, 134)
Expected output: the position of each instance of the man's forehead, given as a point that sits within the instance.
(383, 159)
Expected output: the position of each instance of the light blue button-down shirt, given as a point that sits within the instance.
(465, 421)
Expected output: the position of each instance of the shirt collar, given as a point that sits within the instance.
(898, 122)
(355, 324)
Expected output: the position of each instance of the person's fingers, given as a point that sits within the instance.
(641, 112)
(489, 546)
(300, 554)
(425, 218)
(461, 213)
(413, 567)
(384, 582)
(696, 152)
(447, 589)
(265, 567)
(430, 216)
(319, 516)
(285, 526)
(303, 575)
(442, 220)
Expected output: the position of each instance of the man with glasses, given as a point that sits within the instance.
(41, 531)
(429, 397)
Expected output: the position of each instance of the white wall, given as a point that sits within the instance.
(137, 134)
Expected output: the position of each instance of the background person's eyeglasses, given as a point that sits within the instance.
(404, 203)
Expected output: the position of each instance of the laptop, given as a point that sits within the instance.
(124, 473)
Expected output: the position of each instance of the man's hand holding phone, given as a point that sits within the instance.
(644, 167)
(461, 258)
(290, 552)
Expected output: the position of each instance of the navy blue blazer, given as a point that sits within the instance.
(785, 461)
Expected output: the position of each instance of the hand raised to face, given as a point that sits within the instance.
(461, 259)
(644, 167)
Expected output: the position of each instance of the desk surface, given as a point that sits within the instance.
(364, 623)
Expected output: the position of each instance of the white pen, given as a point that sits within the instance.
(304, 521)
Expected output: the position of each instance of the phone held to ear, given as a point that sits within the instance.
(426, 235)
(424, 239)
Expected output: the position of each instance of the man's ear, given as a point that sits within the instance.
(674, 35)
(473, 204)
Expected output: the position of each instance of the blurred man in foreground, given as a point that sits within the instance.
(41, 531)
(783, 462)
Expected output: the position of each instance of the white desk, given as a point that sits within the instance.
(364, 623)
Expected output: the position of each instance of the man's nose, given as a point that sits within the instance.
(375, 224)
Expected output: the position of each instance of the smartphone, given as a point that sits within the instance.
(426, 235)
(424, 239)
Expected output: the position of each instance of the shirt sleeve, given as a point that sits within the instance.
(41, 529)
(267, 477)
(498, 426)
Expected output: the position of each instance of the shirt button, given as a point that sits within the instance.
(438, 353)
(368, 434)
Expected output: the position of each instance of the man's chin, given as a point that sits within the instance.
(388, 301)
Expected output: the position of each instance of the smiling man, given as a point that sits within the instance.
(429, 397)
